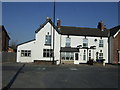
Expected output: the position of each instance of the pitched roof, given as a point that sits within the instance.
(47, 20)
(114, 30)
(80, 31)
(26, 42)
(2, 28)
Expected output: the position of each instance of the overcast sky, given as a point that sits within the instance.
(21, 19)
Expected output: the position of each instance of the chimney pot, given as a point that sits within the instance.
(48, 18)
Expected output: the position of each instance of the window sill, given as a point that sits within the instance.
(47, 44)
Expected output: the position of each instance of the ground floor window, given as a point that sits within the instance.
(25, 53)
(67, 55)
(89, 54)
(84, 55)
(101, 55)
(47, 53)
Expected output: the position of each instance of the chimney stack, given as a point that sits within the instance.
(58, 23)
(101, 26)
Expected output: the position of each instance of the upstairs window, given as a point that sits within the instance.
(48, 39)
(25, 53)
(100, 43)
(68, 42)
(85, 42)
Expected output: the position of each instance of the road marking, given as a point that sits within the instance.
(41, 68)
(73, 69)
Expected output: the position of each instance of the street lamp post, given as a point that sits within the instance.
(53, 31)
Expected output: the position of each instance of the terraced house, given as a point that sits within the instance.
(70, 44)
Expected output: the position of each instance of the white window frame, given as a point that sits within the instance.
(90, 54)
(84, 54)
(101, 43)
(68, 42)
(85, 42)
(101, 54)
(64, 56)
(47, 53)
(48, 39)
(25, 53)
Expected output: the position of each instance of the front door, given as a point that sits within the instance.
(76, 61)
(76, 56)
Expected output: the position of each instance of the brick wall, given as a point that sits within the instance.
(116, 47)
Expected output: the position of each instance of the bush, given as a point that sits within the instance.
(90, 62)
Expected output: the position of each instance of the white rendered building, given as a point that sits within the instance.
(71, 44)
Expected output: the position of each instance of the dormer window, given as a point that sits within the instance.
(48, 39)
(85, 42)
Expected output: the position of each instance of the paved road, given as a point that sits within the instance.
(8, 72)
(65, 76)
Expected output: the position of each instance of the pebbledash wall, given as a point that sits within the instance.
(38, 44)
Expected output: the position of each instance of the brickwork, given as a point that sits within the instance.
(116, 47)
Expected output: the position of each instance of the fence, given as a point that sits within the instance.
(8, 57)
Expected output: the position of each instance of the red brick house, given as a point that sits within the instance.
(114, 40)
(4, 39)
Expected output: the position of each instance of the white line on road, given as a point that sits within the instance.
(73, 69)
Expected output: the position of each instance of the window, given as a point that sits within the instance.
(47, 52)
(48, 39)
(89, 54)
(68, 42)
(62, 55)
(100, 43)
(84, 55)
(72, 56)
(67, 55)
(25, 53)
(101, 55)
(85, 42)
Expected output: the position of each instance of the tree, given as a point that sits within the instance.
(13, 45)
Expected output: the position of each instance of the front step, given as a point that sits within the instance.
(67, 62)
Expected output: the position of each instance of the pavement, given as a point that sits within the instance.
(61, 76)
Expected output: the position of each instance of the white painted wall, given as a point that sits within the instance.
(78, 40)
(38, 45)
(26, 46)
